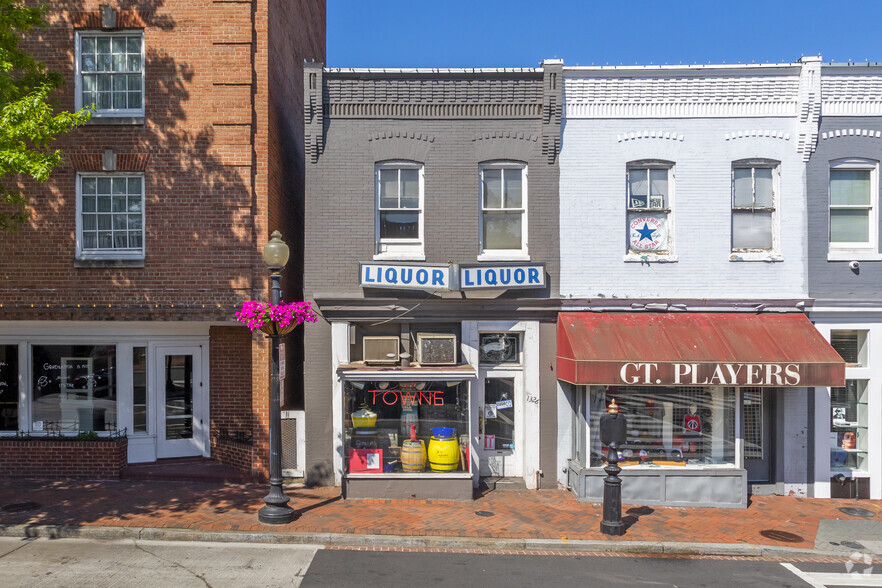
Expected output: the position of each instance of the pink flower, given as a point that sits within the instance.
(257, 314)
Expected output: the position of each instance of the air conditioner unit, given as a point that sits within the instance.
(436, 348)
(381, 349)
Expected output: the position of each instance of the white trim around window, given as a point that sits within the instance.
(110, 216)
(755, 202)
(853, 199)
(649, 200)
(399, 222)
(503, 227)
(109, 72)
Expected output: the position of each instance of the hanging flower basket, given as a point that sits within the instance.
(275, 319)
(275, 329)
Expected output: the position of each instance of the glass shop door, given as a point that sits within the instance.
(500, 422)
(180, 430)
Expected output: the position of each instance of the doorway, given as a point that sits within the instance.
(756, 411)
(179, 393)
(500, 426)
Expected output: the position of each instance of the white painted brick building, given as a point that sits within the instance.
(683, 190)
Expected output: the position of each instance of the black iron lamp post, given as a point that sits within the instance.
(276, 510)
(613, 427)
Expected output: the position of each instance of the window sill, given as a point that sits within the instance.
(393, 256)
(766, 256)
(98, 262)
(649, 258)
(503, 257)
(116, 120)
(853, 255)
(406, 476)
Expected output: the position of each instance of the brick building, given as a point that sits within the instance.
(116, 298)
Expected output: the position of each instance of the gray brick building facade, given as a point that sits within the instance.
(446, 128)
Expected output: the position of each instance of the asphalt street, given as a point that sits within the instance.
(145, 564)
(368, 569)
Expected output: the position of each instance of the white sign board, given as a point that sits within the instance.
(409, 276)
(281, 361)
(502, 276)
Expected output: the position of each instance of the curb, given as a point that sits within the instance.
(403, 541)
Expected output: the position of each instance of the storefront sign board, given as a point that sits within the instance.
(403, 275)
(502, 276)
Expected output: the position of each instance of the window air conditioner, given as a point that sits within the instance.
(381, 349)
(436, 349)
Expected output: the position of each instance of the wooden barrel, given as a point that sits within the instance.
(443, 454)
(413, 456)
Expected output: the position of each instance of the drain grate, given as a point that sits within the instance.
(782, 536)
(857, 512)
(21, 506)
(484, 513)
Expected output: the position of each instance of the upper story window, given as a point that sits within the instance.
(110, 73)
(110, 216)
(649, 187)
(754, 208)
(399, 221)
(854, 203)
(503, 211)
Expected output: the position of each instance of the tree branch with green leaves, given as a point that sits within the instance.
(29, 121)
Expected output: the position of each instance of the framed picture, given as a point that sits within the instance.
(365, 460)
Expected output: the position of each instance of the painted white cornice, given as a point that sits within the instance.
(680, 96)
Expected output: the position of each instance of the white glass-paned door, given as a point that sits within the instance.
(180, 390)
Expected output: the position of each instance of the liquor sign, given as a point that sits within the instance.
(502, 276)
(403, 275)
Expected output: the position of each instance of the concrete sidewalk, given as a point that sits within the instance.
(508, 520)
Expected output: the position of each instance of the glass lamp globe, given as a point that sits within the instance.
(275, 253)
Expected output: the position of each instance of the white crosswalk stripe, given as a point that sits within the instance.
(824, 579)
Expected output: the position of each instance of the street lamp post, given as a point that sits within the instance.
(276, 510)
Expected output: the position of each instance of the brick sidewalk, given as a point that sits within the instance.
(548, 514)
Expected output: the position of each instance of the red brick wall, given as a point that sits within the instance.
(209, 150)
(197, 150)
(91, 460)
(230, 365)
(285, 156)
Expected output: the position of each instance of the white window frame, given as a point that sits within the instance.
(521, 254)
(849, 251)
(758, 254)
(400, 249)
(78, 77)
(667, 255)
(109, 254)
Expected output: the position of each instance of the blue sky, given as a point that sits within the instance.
(520, 33)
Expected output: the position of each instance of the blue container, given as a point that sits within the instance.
(443, 432)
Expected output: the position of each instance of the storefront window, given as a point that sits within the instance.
(677, 427)
(139, 389)
(848, 427)
(74, 387)
(406, 427)
(8, 387)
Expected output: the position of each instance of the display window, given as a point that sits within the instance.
(74, 387)
(676, 426)
(406, 427)
(8, 387)
(848, 427)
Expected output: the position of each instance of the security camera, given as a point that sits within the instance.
(855, 265)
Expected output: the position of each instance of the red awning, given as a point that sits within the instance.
(695, 349)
